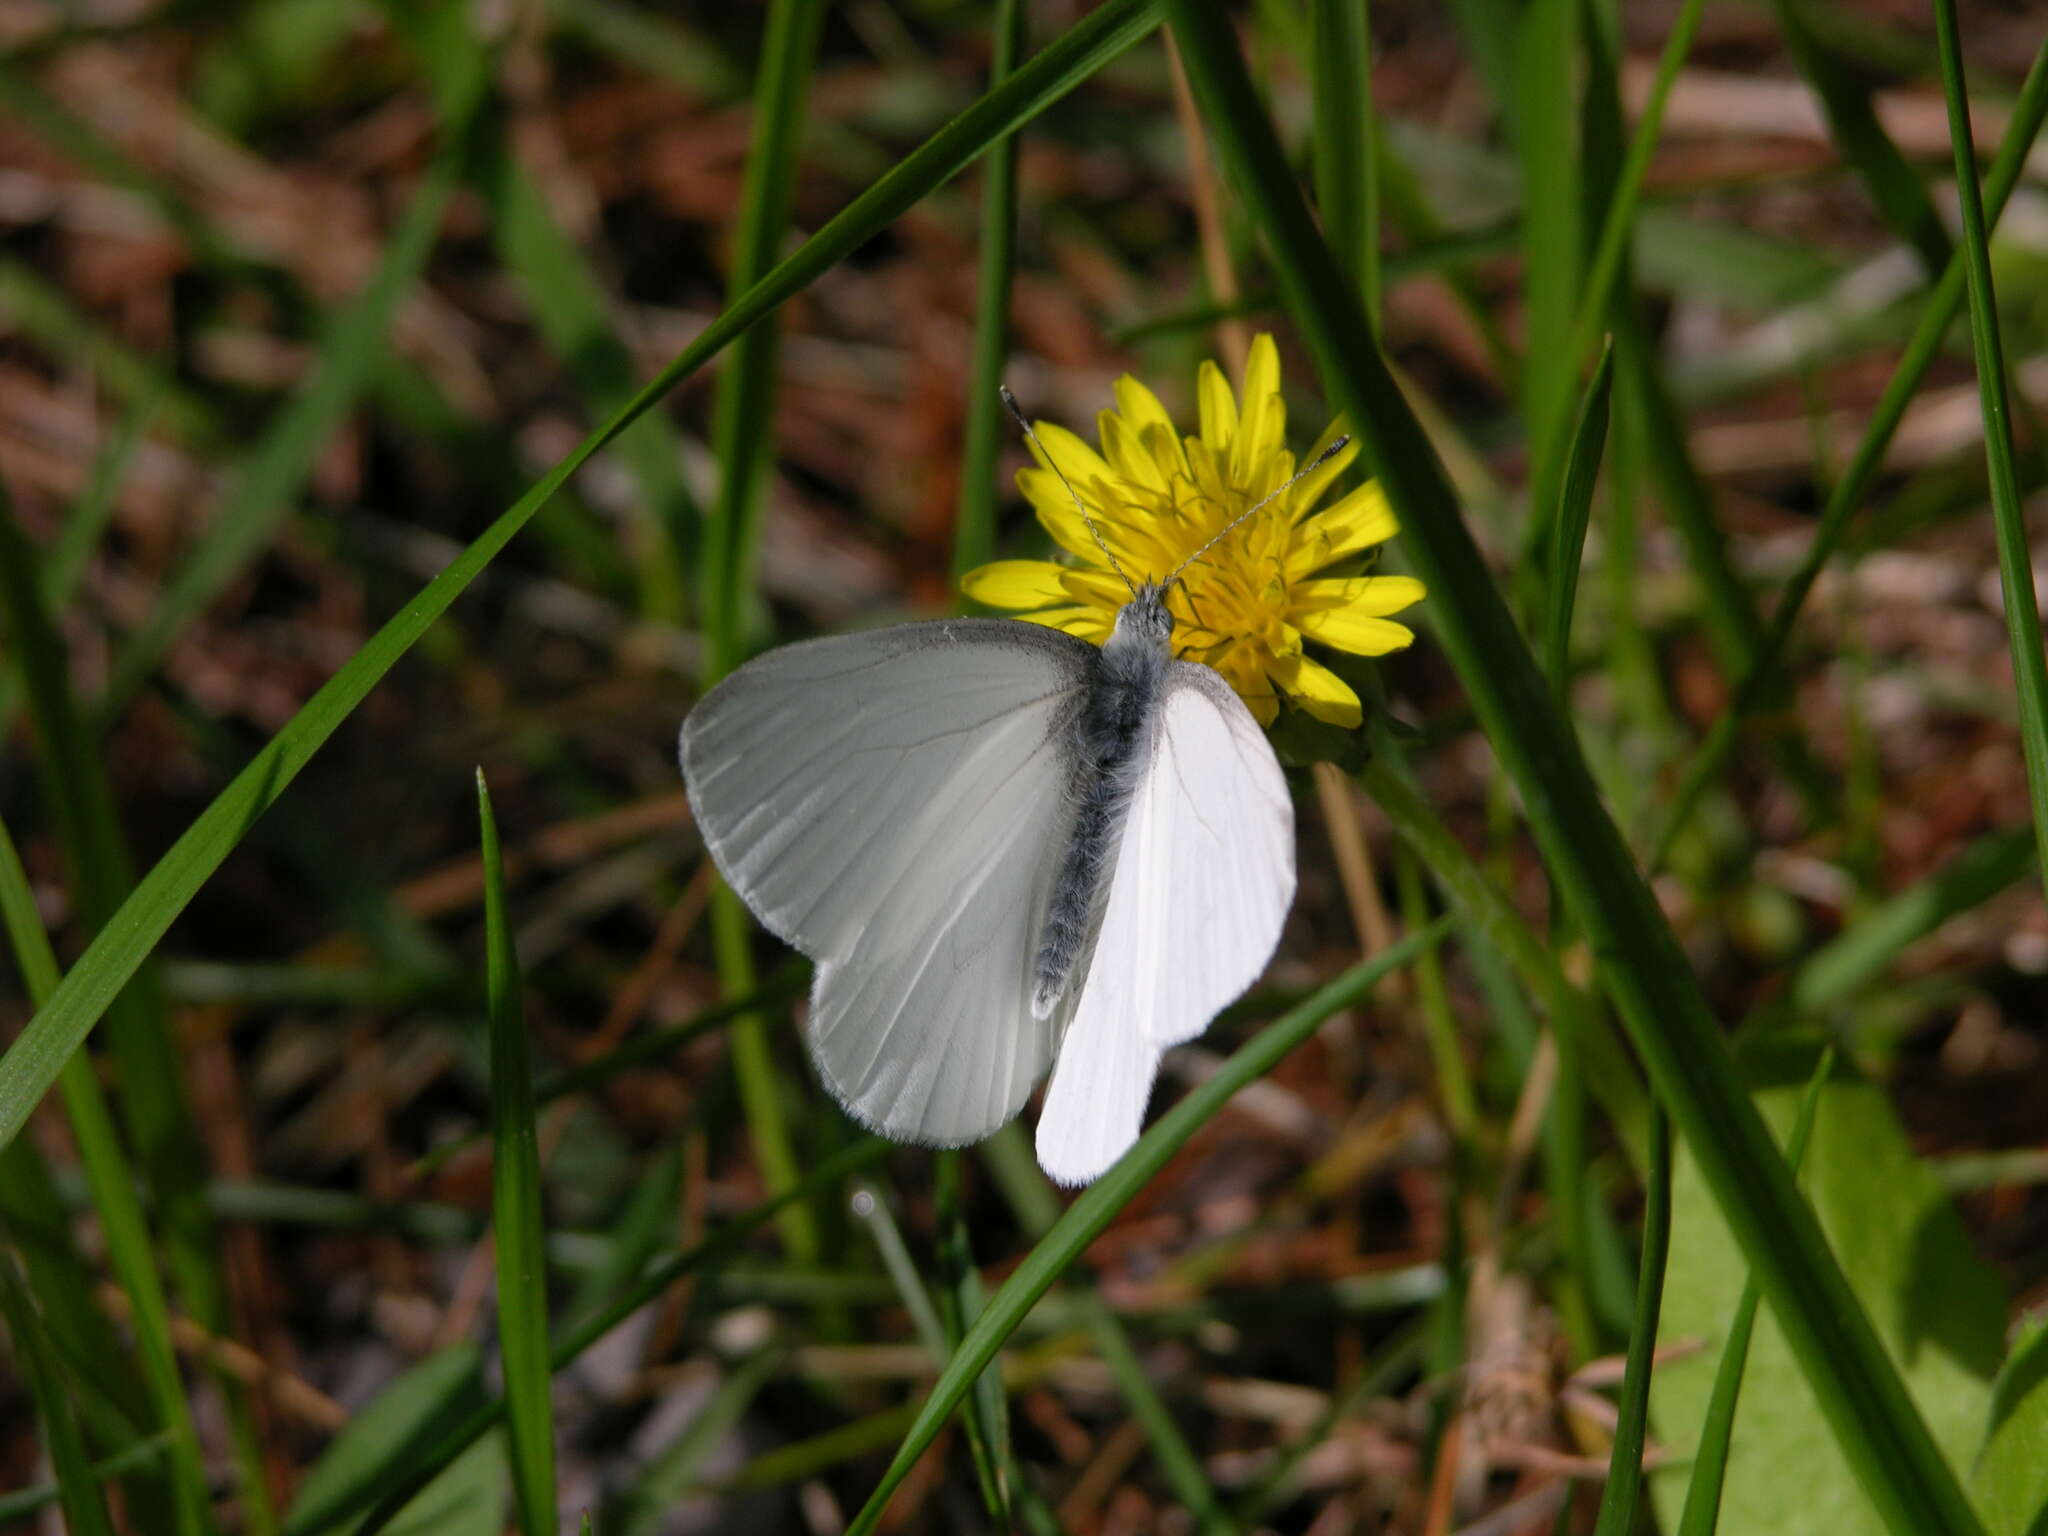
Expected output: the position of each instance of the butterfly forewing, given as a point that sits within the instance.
(1203, 877)
(893, 804)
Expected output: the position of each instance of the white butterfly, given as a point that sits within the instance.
(1004, 849)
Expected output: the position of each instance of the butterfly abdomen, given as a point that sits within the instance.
(1113, 744)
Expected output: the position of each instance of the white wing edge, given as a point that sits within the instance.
(1203, 879)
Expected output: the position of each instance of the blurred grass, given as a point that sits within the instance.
(234, 444)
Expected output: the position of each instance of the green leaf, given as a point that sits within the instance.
(517, 1223)
(987, 423)
(2008, 516)
(1569, 522)
(2011, 1475)
(33, 1061)
(1096, 1206)
(1641, 965)
(1852, 118)
(1938, 1310)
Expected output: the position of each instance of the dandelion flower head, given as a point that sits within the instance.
(1248, 606)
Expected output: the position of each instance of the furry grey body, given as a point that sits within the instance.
(1113, 743)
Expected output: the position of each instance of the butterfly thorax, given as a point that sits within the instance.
(1112, 742)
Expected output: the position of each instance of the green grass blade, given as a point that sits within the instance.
(78, 1491)
(1899, 193)
(399, 1489)
(2008, 517)
(1097, 1206)
(158, 1119)
(517, 1223)
(743, 415)
(1625, 1464)
(1617, 225)
(1852, 490)
(272, 476)
(31, 1064)
(960, 1302)
(1574, 513)
(1346, 162)
(987, 423)
(1710, 1459)
(1544, 121)
(1641, 964)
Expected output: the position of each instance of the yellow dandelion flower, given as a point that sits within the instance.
(1248, 606)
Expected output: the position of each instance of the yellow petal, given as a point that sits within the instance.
(1308, 490)
(1089, 624)
(1360, 633)
(1148, 418)
(1356, 523)
(1074, 458)
(1263, 420)
(1317, 689)
(1218, 408)
(1371, 596)
(1127, 455)
(1018, 584)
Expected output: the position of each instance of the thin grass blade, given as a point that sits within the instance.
(78, 1490)
(518, 1225)
(1624, 1484)
(2008, 517)
(1574, 514)
(987, 423)
(1710, 1459)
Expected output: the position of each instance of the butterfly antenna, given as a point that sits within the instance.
(1249, 512)
(1032, 437)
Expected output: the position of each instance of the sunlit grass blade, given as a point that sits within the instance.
(518, 1226)
(961, 1299)
(393, 1493)
(2008, 517)
(157, 1117)
(1852, 119)
(1641, 964)
(32, 1062)
(743, 428)
(987, 424)
(1097, 1206)
(1573, 515)
(1625, 1463)
(270, 479)
(85, 1512)
(1852, 490)
(1702, 1509)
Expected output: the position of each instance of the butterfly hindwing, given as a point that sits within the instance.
(1203, 876)
(893, 804)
